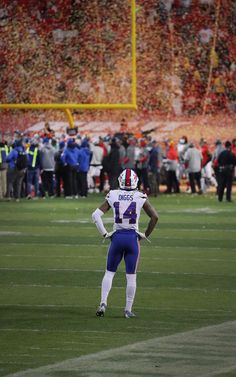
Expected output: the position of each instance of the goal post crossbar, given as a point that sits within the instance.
(64, 106)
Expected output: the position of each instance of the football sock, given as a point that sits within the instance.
(106, 286)
(130, 291)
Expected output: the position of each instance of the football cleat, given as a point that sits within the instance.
(129, 314)
(101, 310)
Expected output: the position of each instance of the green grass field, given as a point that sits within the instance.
(52, 260)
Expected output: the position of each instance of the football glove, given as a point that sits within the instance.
(142, 236)
(108, 235)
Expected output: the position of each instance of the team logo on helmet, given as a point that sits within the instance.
(128, 180)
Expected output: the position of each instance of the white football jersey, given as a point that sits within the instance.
(126, 207)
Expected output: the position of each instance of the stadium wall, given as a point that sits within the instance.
(211, 127)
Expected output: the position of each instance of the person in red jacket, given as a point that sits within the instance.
(233, 146)
(105, 167)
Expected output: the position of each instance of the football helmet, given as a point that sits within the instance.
(128, 180)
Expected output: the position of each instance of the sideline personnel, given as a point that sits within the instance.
(226, 161)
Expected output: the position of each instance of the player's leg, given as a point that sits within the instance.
(131, 261)
(130, 295)
(106, 286)
(113, 259)
(105, 290)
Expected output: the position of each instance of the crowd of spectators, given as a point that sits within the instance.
(76, 51)
(46, 166)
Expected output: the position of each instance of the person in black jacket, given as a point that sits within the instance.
(114, 165)
(154, 168)
(59, 170)
(226, 162)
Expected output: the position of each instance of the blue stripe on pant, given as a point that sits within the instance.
(124, 244)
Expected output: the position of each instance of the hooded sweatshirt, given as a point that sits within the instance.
(47, 162)
(84, 157)
(70, 154)
(12, 156)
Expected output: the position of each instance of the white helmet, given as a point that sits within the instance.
(128, 180)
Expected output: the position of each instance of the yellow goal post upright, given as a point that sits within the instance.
(67, 107)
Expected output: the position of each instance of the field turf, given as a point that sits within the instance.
(52, 260)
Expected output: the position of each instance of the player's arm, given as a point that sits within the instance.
(151, 212)
(97, 217)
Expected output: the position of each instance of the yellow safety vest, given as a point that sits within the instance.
(34, 154)
(8, 149)
(1, 150)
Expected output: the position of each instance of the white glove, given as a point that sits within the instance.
(108, 235)
(142, 236)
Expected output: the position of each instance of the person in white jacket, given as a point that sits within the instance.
(95, 166)
(193, 160)
(47, 165)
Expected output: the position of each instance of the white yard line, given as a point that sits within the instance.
(205, 352)
(12, 285)
(98, 256)
(76, 306)
(140, 272)
(8, 233)
(56, 256)
(96, 245)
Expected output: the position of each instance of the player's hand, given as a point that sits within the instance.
(108, 235)
(142, 236)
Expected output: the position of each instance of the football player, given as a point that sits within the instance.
(126, 203)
